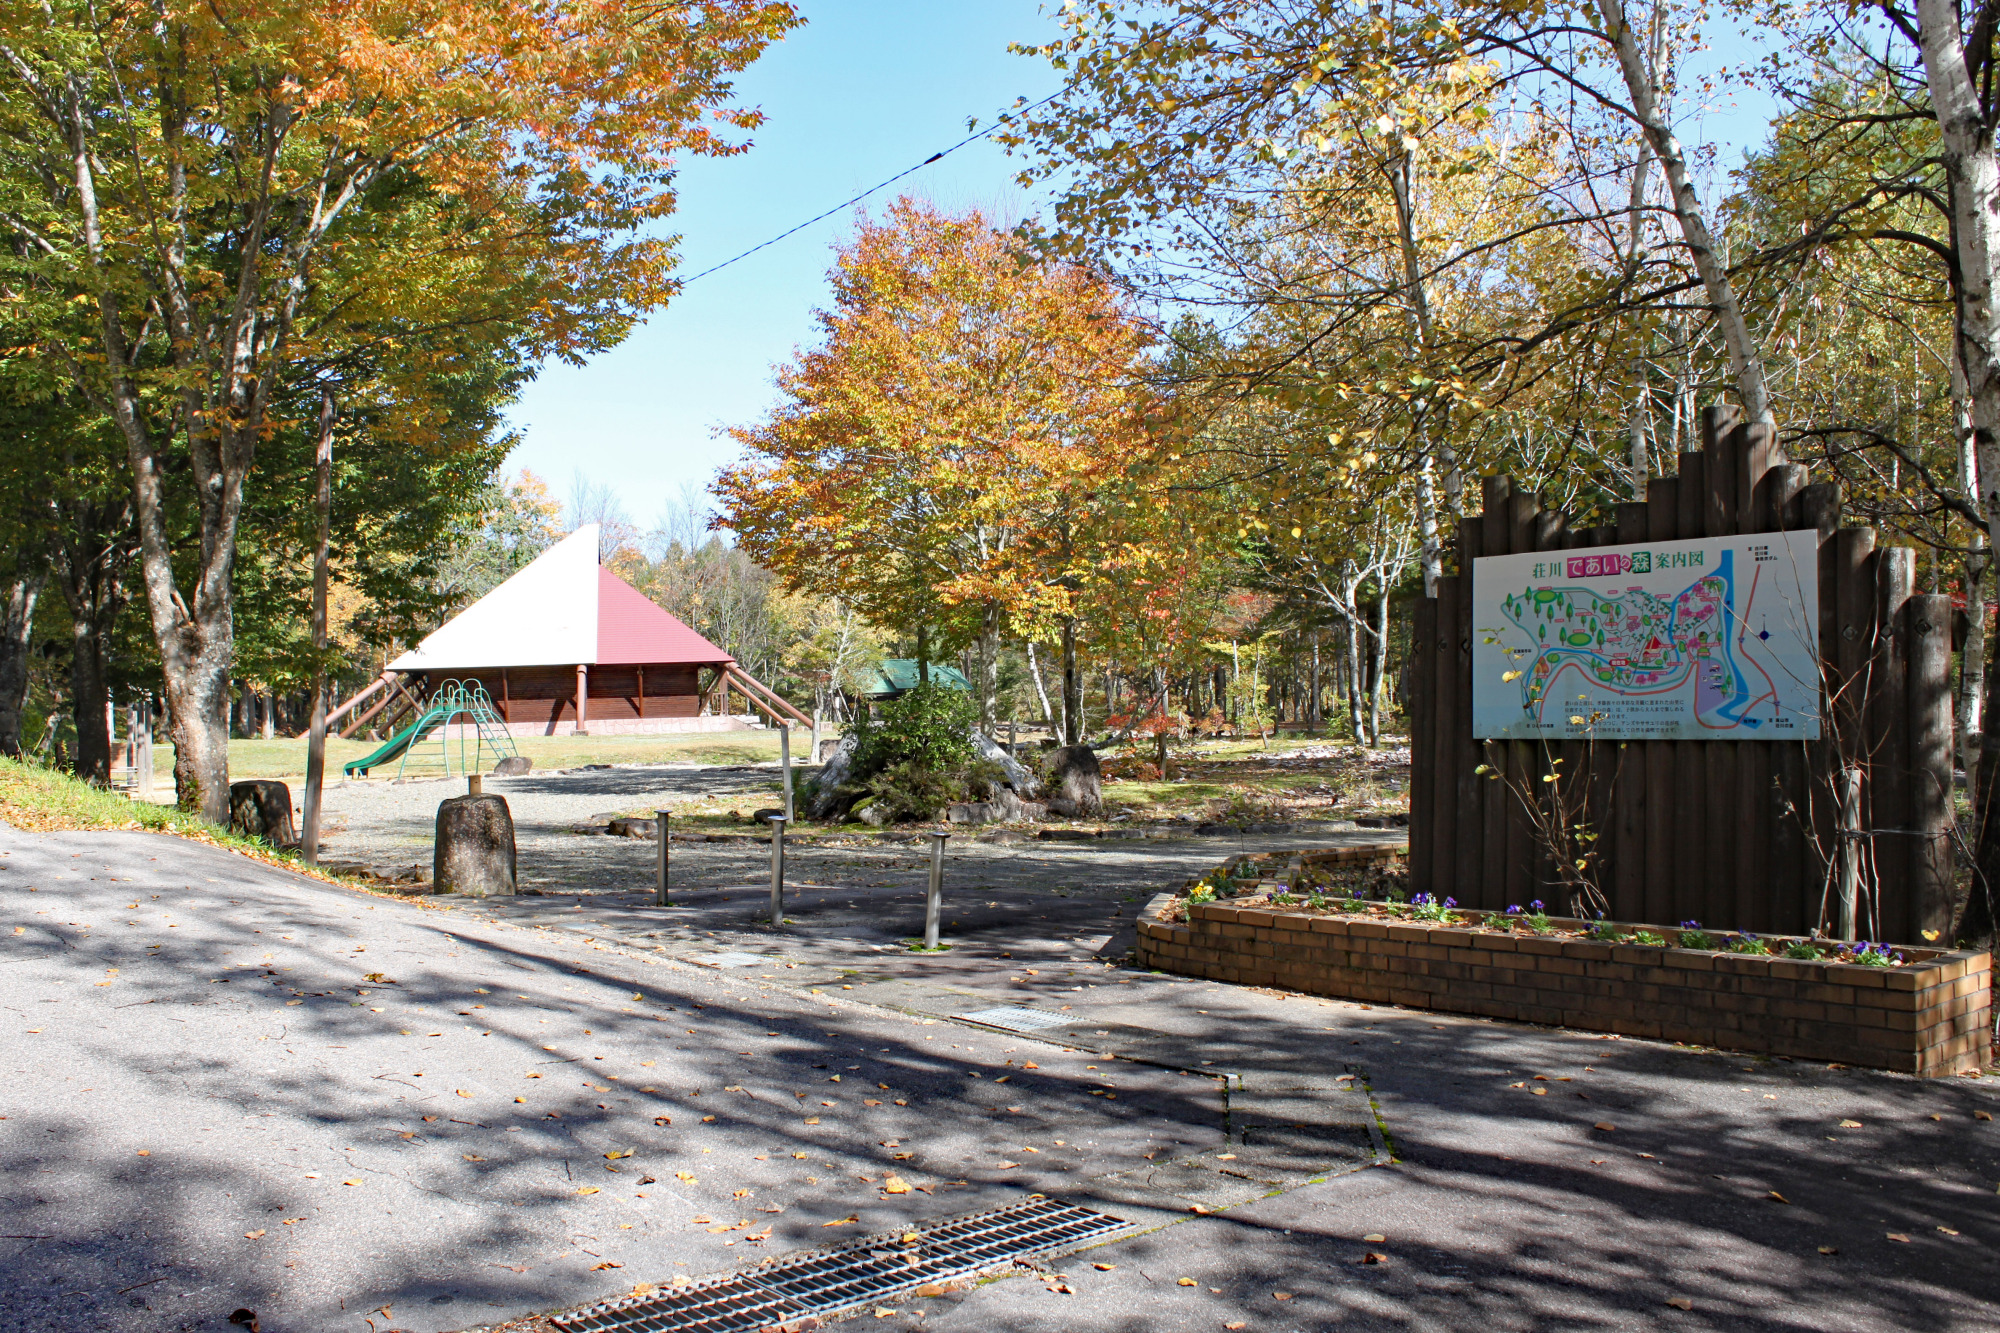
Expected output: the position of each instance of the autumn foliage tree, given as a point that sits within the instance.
(955, 454)
(187, 183)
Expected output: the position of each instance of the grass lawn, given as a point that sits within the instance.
(284, 758)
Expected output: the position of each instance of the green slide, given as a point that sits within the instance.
(452, 699)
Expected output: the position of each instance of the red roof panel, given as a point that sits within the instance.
(633, 631)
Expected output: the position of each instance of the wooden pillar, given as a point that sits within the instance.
(1423, 705)
(582, 699)
(1887, 722)
(506, 712)
(1930, 854)
(642, 693)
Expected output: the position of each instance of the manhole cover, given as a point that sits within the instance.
(1019, 1020)
(737, 959)
(829, 1283)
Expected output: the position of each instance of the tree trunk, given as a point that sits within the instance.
(1041, 690)
(90, 700)
(1972, 668)
(17, 624)
(316, 736)
(1746, 360)
(1379, 669)
(1072, 686)
(988, 657)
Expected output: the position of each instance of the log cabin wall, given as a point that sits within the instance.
(547, 694)
(1734, 834)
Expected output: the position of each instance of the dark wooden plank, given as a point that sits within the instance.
(1787, 483)
(1819, 509)
(1665, 835)
(1690, 887)
(1473, 789)
(1423, 706)
(1758, 453)
(1496, 538)
(1692, 495)
(1930, 853)
(1853, 642)
(1444, 745)
(1888, 721)
(1626, 880)
(1722, 448)
(1521, 771)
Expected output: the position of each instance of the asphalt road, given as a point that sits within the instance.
(212, 1104)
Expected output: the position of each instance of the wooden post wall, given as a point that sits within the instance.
(1735, 834)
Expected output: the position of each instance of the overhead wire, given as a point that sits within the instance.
(871, 190)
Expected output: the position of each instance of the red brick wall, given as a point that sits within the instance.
(1931, 1018)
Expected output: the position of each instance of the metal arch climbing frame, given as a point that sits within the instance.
(452, 699)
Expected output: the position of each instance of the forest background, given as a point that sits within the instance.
(1187, 442)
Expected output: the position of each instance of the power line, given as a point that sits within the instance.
(873, 189)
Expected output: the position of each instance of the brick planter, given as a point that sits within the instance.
(1930, 1017)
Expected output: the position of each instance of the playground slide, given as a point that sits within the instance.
(395, 745)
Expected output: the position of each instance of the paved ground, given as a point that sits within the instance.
(200, 1062)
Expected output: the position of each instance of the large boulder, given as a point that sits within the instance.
(1076, 783)
(474, 852)
(513, 766)
(826, 785)
(262, 808)
(1018, 776)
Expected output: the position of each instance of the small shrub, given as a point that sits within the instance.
(1428, 908)
(1316, 900)
(911, 790)
(1875, 955)
(1606, 932)
(1804, 950)
(1201, 893)
(1692, 936)
(1537, 919)
(1648, 937)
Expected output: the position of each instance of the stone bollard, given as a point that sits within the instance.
(474, 852)
(262, 808)
(1076, 784)
(513, 766)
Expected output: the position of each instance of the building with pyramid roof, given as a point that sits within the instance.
(566, 647)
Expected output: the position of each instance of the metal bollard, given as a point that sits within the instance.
(785, 765)
(660, 897)
(777, 870)
(934, 899)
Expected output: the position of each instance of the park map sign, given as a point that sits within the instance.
(1710, 639)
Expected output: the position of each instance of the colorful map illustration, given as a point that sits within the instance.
(1705, 639)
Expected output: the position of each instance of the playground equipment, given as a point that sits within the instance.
(451, 700)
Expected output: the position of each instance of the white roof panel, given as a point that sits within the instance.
(546, 615)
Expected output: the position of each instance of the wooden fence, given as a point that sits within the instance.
(1735, 834)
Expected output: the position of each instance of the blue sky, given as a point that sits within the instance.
(865, 89)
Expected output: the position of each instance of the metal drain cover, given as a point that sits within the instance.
(1020, 1020)
(827, 1283)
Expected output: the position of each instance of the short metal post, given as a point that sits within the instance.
(934, 899)
(777, 870)
(785, 764)
(660, 896)
(474, 785)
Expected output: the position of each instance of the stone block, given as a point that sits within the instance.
(262, 808)
(474, 851)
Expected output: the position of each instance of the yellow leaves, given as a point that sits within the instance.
(586, 1189)
(895, 1185)
(463, 1093)
(686, 1178)
(617, 1153)
(849, 1220)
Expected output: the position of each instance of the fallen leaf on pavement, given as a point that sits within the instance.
(1006, 1166)
(145, 1152)
(1539, 1092)
(1281, 1295)
(1850, 1124)
(463, 1093)
(253, 1235)
(1374, 1258)
(1198, 1208)
(1375, 1238)
(617, 1153)
(930, 1290)
(1776, 1197)
(1188, 1282)
(1680, 1302)
(586, 1189)
(350, 1182)
(1236, 1323)
(811, 1120)
(685, 1177)
(895, 1185)
(841, 1222)
(1899, 1236)
(663, 1120)
(1829, 1249)
(472, 1157)
(1947, 1231)
(1606, 1126)
(598, 1268)
(1982, 1115)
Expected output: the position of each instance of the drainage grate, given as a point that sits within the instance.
(1019, 1020)
(827, 1283)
